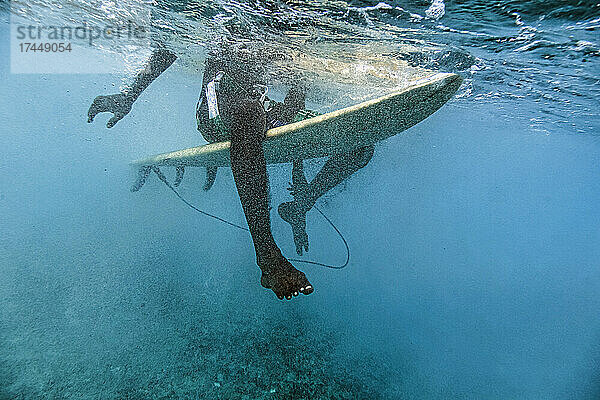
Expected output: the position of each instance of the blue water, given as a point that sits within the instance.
(474, 236)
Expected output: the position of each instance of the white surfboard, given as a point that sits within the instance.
(334, 132)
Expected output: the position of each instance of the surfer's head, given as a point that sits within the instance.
(295, 98)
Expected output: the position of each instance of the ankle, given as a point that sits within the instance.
(265, 258)
(304, 203)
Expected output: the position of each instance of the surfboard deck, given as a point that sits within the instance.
(335, 132)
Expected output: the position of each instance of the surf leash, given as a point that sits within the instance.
(342, 266)
(163, 178)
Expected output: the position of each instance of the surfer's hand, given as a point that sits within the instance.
(117, 104)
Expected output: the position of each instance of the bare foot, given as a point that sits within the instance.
(295, 216)
(282, 278)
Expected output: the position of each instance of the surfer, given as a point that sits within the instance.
(242, 118)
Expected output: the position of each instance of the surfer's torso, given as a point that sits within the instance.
(228, 79)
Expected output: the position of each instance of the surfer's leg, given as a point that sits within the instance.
(336, 170)
(250, 174)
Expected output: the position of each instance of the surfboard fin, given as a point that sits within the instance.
(211, 175)
(143, 173)
(179, 175)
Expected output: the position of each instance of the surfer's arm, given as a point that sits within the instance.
(158, 63)
(120, 104)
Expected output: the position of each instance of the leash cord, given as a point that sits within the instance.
(163, 178)
(345, 264)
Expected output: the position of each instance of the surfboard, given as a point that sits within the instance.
(335, 132)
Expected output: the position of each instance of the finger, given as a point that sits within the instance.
(95, 108)
(295, 294)
(92, 112)
(111, 122)
(289, 297)
(299, 248)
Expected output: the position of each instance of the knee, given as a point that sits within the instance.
(362, 156)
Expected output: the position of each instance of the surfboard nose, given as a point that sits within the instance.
(453, 81)
(442, 82)
(433, 92)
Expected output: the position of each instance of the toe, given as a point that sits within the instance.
(307, 289)
(279, 293)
